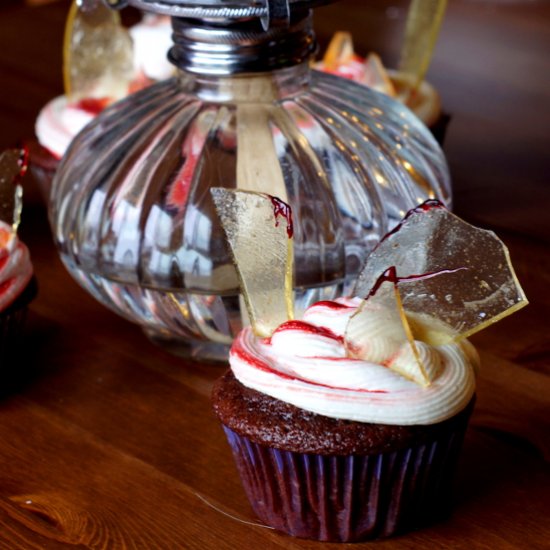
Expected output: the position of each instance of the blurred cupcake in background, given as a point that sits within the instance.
(17, 284)
(137, 58)
(423, 100)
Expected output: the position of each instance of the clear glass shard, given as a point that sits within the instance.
(97, 53)
(13, 165)
(376, 76)
(476, 285)
(258, 228)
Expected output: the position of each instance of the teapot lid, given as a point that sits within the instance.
(272, 13)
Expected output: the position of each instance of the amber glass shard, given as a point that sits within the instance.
(479, 287)
(259, 231)
(340, 50)
(377, 77)
(13, 165)
(97, 52)
(422, 29)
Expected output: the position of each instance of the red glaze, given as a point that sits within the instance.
(93, 105)
(5, 286)
(23, 164)
(426, 206)
(191, 153)
(4, 257)
(243, 355)
(239, 352)
(309, 328)
(329, 304)
(281, 208)
(390, 276)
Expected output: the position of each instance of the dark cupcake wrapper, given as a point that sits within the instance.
(439, 128)
(349, 498)
(12, 322)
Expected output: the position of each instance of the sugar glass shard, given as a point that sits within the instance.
(261, 245)
(380, 332)
(377, 77)
(340, 50)
(97, 52)
(13, 165)
(430, 239)
(422, 29)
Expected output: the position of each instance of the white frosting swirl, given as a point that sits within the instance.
(58, 123)
(15, 266)
(305, 364)
(152, 38)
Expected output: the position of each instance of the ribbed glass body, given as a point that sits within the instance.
(135, 223)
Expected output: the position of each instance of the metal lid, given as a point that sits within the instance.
(272, 13)
(241, 47)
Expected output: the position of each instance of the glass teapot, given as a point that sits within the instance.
(130, 208)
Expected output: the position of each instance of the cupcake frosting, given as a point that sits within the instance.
(306, 363)
(61, 120)
(15, 266)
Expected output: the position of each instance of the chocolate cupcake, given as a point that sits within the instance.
(346, 424)
(423, 100)
(17, 284)
(338, 449)
(143, 47)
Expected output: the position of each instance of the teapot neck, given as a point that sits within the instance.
(206, 48)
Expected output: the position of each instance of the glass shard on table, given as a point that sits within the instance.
(259, 230)
(380, 332)
(13, 165)
(97, 52)
(479, 288)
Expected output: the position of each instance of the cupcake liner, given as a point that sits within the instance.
(12, 322)
(439, 128)
(348, 498)
(11, 334)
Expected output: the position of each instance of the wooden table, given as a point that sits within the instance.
(109, 442)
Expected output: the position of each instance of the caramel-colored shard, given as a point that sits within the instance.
(376, 76)
(97, 53)
(422, 29)
(259, 230)
(339, 51)
(13, 164)
(480, 287)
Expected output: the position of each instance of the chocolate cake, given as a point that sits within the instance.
(268, 421)
(298, 468)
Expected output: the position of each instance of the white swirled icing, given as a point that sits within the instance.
(305, 363)
(152, 38)
(58, 123)
(15, 266)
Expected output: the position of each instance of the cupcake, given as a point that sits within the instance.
(63, 117)
(424, 101)
(377, 455)
(346, 424)
(17, 284)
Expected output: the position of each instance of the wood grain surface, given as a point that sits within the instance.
(108, 442)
